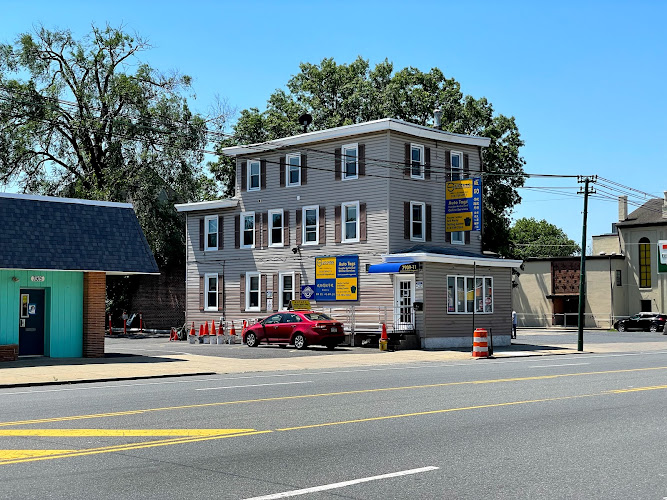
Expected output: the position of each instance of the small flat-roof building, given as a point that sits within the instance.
(54, 259)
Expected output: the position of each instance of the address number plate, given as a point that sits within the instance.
(37, 279)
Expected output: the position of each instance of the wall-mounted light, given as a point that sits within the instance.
(295, 250)
(15, 279)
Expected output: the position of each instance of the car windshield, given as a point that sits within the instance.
(315, 316)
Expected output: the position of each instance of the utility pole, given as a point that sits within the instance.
(586, 179)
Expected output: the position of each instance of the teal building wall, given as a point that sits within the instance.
(63, 321)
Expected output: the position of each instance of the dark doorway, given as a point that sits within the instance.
(31, 322)
(565, 311)
(646, 306)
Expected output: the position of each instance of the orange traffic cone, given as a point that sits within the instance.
(383, 338)
(213, 332)
(245, 327)
(232, 332)
(192, 330)
(201, 330)
(205, 327)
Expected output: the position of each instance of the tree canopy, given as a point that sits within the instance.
(532, 238)
(85, 118)
(343, 94)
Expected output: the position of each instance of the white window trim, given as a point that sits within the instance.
(287, 169)
(207, 306)
(452, 154)
(423, 222)
(421, 161)
(247, 292)
(282, 306)
(457, 242)
(259, 174)
(343, 239)
(465, 281)
(317, 225)
(242, 228)
(346, 177)
(206, 232)
(282, 228)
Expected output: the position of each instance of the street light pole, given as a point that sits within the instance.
(582, 268)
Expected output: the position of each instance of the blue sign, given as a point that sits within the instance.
(336, 278)
(307, 292)
(477, 204)
(463, 205)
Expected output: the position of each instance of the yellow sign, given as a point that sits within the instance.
(458, 222)
(300, 305)
(325, 268)
(458, 190)
(346, 289)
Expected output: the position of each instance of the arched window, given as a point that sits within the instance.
(644, 263)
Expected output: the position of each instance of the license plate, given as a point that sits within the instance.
(334, 329)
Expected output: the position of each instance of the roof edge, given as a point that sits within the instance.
(206, 205)
(58, 199)
(451, 259)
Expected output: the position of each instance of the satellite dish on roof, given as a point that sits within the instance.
(305, 120)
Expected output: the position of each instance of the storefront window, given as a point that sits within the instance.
(468, 293)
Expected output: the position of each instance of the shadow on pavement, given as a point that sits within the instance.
(109, 358)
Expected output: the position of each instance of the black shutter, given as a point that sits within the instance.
(262, 170)
(406, 169)
(427, 163)
(467, 237)
(406, 220)
(244, 175)
(201, 234)
(262, 292)
(276, 291)
(242, 292)
(448, 165)
(286, 228)
(337, 163)
(221, 232)
(323, 225)
(298, 226)
(362, 160)
(221, 292)
(282, 171)
(466, 166)
(201, 293)
(304, 169)
(428, 222)
(337, 233)
(237, 231)
(362, 222)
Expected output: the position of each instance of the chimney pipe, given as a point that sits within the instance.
(664, 206)
(622, 208)
(437, 116)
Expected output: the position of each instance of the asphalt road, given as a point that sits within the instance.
(574, 426)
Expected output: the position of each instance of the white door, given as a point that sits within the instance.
(404, 294)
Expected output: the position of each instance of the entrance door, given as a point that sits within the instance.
(404, 294)
(31, 322)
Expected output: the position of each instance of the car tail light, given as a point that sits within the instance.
(320, 326)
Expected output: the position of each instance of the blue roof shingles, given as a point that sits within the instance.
(44, 234)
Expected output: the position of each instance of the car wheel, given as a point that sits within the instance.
(621, 327)
(251, 340)
(331, 347)
(299, 341)
(653, 329)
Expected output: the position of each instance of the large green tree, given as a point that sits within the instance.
(86, 118)
(343, 94)
(532, 238)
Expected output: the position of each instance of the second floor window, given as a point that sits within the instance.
(253, 175)
(417, 221)
(294, 170)
(275, 228)
(456, 166)
(350, 222)
(644, 263)
(416, 161)
(350, 162)
(311, 225)
(458, 237)
(211, 238)
(248, 230)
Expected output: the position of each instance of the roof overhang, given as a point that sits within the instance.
(407, 266)
(451, 259)
(206, 205)
(382, 125)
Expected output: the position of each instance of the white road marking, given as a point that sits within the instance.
(332, 486)
(564, 364)
(253, 385)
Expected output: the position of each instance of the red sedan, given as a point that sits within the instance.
(301, 328)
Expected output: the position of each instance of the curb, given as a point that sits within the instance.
(104, 379)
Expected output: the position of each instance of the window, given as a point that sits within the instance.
(416, 161)
(311, 225)
(248, 230)
(294, 170)
(458, 237)
(350, 222)
(211, 237)
(211, 292)
(273, 319)
(286, 289)
(350, 161)
(275, 228)
(456, 166)
(466, 294)
(417, 211)
(252, 291)
(619, 278)
(644, 263)
(254, 176)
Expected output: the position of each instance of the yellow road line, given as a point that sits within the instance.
(326, 394)
(120, 432)
(16, 454)
(636, 389)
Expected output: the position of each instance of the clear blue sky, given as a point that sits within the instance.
(585, 80)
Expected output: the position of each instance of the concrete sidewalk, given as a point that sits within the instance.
(33, 371)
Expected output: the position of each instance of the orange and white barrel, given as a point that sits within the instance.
(480, 344)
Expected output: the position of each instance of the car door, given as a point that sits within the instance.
(290, 322)
(272, 326)
(635, 322)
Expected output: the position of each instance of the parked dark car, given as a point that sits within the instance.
(644, 321)
(301, 328)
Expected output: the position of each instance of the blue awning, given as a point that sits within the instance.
(392, 267)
